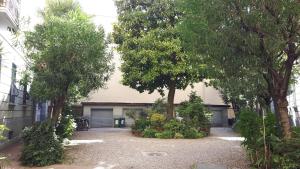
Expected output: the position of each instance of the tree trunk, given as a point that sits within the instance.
(170, 104)
(282, 104)
(58, 107)
(278, 88)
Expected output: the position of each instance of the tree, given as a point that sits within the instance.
(68, 53)
(152, 54)
(259, 36)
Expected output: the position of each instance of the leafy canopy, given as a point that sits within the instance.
(69, 53)
(245, 39)
(151, 47)
(246, 43)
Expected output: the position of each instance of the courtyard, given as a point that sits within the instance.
(112, 148)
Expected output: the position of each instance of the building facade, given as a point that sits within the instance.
(294, 103)
(16, 109)
(103, 105)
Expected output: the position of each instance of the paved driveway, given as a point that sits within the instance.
(118, 149)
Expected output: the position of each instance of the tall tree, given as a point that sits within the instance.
(259, 36)
(68, 53)
(152, 54)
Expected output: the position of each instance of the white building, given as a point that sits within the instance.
(294, 103)
(15, 105)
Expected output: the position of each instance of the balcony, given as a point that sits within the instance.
(9, 11)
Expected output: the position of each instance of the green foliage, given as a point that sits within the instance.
(174, 125)
(158, 135)
(296, 132)
(157, 120)
(25, 79)
(178, 136)
(140, 125)
(159, 106)
(195, 122)
(59, 8)
(3, 129)
(192, 133)
(246, 46)
(3, 160)
(41, 145)
(195, 114)
(149, 133)
(249, 126)
(65, 127)
(287, 154)
(264, 144)
(153, 57)
(166, 134)
(160, 128)
(68, 53)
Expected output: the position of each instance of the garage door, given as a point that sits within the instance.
(101, 118)
(217, 119)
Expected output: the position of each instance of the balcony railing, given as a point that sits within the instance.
(13, 7)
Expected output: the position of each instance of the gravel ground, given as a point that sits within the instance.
(118, 149)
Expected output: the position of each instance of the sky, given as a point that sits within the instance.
(104, 12)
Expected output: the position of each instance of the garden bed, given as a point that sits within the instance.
(194, 122)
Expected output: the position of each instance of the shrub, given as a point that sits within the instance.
(296, 132)
(249, 126)
(140, 125)
(3, 129)
(174, 125)
(286, 154)
(149, 133)
(41, 145)
(158, 135)
(165, 134)
(195, 123)
(66, 127)
(178, 136)
(195, 114)
(264, 143)
(192, 133)
(157, 120)
(3, 160)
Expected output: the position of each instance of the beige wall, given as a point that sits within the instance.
(116, 92)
